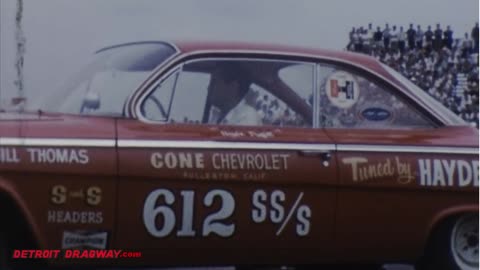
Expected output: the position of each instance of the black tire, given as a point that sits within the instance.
(3, 250)
(453, 246)
(15, 234)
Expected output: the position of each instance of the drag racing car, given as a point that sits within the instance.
(229, 153)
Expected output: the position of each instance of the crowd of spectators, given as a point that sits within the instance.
(444, 66)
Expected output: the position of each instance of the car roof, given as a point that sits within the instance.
(198, 46)
(355, 58)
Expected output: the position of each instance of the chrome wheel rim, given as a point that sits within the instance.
(464, 242)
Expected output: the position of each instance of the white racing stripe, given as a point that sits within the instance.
(181, 144)
(223, 145)
(60, 142)
(406, 149)
(294, 146)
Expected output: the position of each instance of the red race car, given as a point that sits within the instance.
(223, 153)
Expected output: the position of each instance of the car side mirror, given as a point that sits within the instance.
(91, 102)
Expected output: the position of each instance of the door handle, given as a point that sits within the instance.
(325, 155)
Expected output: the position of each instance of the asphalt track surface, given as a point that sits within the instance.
(319, 267)
(385, 267)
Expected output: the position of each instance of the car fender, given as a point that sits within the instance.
(8, 189)
(447, 213)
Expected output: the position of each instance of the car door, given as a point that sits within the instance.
(256, 184)
(393, 160)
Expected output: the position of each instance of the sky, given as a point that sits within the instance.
(61, 35)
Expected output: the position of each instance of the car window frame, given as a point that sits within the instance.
(162, 70)
(178, 67)
(173, 72)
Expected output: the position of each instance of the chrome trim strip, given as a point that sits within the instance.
(223, 145)
(62, 142)
(140, 93)
(57, 142)
(293, 146)
(316, 95)
(407, 149)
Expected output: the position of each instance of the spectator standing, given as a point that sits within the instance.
(368, 37)
(402, 37)
(475, 37)
(386, 37)
(438, 42)
(467, 45)
(394, 38)
(377, 38)
(356, 40)
(361, 38)
(351, 36)
(429, 39)
(448, 38)
(411, 37)
(419, 37)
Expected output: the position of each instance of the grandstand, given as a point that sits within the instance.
(444, 67)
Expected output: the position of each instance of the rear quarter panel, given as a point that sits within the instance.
(390, 200)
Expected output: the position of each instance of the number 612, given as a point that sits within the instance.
(213, 223)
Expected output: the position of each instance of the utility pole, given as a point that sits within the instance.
(20, 41)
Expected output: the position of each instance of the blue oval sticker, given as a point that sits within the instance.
(376, 114)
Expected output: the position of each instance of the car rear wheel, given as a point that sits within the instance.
(464, 242)
(454, 246)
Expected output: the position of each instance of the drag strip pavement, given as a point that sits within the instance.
(385, 267)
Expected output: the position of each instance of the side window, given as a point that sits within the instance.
(349, 100)
(180, 98)
(235, 92)
(189, 97)
(273, 111)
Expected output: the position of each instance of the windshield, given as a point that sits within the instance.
(104, 85)
(452, 118)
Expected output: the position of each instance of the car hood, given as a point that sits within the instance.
(28, 115)
(39, 124)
